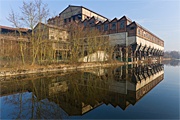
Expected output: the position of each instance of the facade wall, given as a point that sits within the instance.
(58, 21)
(95, 57)
(140, 32)
(70, 11)
(118, 38)
(56, 34)
(121, 39)
(66, 16)
(49, 32)
(121, 26)
(59, 38)
(146, 43)
(88, 14)
(10, 49)
(114, 26)
(73, 13)
(131, 40)
(42, 30)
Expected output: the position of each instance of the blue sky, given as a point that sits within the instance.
(161, 17)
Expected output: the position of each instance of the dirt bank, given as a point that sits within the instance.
(51, 68)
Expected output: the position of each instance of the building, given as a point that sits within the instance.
(56, 36)
(11, 42)
(75, 13)
(125, 35)
(131, 41)
(5, 30)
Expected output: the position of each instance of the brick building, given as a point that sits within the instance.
(74, 13)
(131, 41)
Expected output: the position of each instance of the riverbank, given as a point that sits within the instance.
(29, 69)
(52, 68)
(167, 59)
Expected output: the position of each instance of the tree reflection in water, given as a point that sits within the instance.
(63, 94)
(172, 62)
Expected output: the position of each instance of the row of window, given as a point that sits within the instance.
(149, 36)
(106, 26)
(114, 26)
(73, 18)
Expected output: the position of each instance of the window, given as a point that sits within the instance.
(79, 16)
(85, 53)
(105, 27)
(65, 20)
(69, 19)
(139, 32)
(99, 27)
(74, 18)
(91, 23)
(144, 34)
(113, 26)
(122, 24)
(132, 28)
(85, 24)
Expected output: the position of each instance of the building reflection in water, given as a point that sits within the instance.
(59, 95)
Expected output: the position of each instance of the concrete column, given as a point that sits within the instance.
(130, 54)
(126, 54)
(120, 53)
(140, 55)
(134, 56)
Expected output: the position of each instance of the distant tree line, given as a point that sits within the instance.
(172, 62)
(172, 54)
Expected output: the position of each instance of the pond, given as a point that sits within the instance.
(149, 91)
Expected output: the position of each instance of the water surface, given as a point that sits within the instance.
(122, 92)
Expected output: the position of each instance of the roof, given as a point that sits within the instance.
(51, 26)
(11, 28)
(115, 19)
(125, 18)
(99, 23)
(84, 8)
(144, 29)
(107, 21)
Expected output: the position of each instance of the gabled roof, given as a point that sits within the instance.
(85, 20)
(133, 23)
(48, 25)
(115, 19)
(91, 18)
(125, 18)
(11, 28)
(81, 8)
(99, 23)
(107, 21)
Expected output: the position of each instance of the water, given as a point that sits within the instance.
(122, 92)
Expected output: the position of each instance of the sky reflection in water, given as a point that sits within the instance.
(119, 92)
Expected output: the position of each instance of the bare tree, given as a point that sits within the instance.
(32, 12)
(86, 40)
